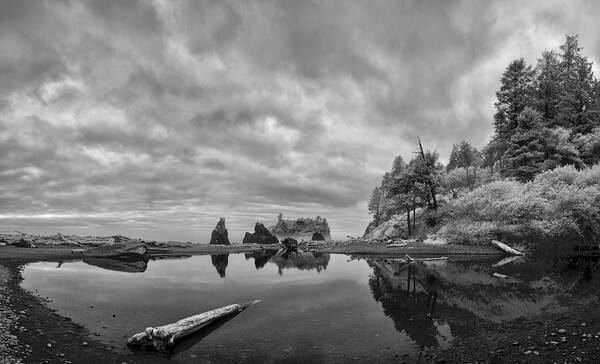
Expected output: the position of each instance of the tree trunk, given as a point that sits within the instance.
(435, 205)
(414, 215)
(431, 187)
(408, 220)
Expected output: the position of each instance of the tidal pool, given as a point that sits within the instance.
(315, 308)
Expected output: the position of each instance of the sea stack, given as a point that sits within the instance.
(261, 235)
(219, 234)
(303, 228)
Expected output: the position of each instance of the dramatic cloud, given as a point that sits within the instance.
(155, 118)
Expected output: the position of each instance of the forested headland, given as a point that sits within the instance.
(538, 176)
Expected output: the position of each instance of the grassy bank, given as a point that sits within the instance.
(557, 204)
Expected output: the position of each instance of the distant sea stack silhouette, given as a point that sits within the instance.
(219, 234)
(261, 235)
(304, 228)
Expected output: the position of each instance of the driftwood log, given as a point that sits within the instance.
(506, 248)
(163, 338)
(396, 245)
(123, 249)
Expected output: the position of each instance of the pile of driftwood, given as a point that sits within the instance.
(24, 240)
(124, 249)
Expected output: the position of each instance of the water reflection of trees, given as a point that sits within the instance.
(290, 260)
(419, 297)
(409, 294)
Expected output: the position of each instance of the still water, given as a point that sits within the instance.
(315, 308)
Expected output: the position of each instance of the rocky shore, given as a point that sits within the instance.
(573, 337)
(10, 349)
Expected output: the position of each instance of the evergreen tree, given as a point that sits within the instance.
(577, 108)
(376, 205)
(548, 78)
(493, 155)
(577, 98)
(427, 172)
(515, 94)
(453, 159)
(526, 149)
(400, 190)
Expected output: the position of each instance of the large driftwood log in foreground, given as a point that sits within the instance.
(506, 248)
(162, 338)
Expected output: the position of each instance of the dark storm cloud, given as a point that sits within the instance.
(155, 117)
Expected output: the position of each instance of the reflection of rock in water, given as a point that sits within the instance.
(220, 261)
(289, 260)
(121, 265)
(300, 260)
(261, 257)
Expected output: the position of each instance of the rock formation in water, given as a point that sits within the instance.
(261, 235)
(219, 234)
(301, 229)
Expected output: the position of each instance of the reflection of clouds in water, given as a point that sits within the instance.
(303, 307)
(356, 299)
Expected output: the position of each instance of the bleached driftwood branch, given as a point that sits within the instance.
(162, 338)
(506, 248)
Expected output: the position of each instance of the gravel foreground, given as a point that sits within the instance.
(10, 349)
(31, 332)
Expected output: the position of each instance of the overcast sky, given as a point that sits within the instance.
(154, 118)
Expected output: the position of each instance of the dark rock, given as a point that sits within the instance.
(219, 234)
(261, 235)
(317, 236)
(290, 244)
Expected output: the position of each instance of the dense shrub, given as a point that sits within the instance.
(557, 203)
